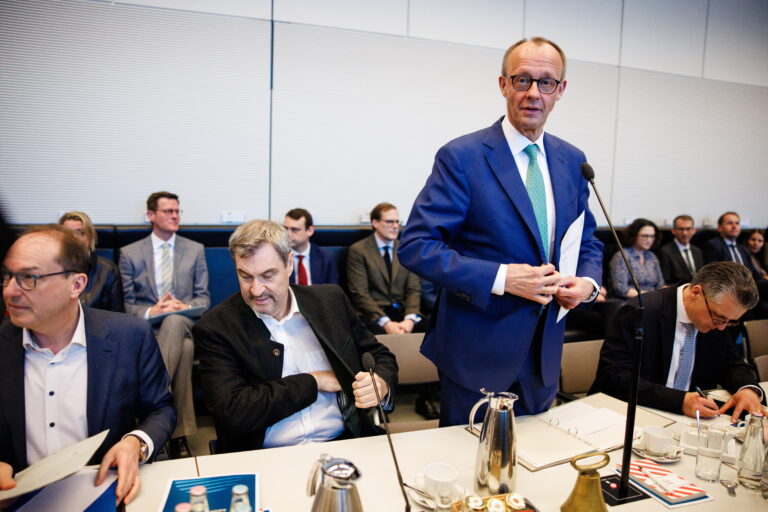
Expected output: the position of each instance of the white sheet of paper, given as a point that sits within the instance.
(55, 467)
(76, 492)
(569, 254)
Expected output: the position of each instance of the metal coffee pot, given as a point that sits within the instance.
(497, 451)
(337, 491)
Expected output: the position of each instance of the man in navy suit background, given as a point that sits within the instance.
(487, 229)
(68, 372)
(311, 263)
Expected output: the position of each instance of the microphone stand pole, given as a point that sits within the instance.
(386, 426)
(637, 350)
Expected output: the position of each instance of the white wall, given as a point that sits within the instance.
(256, 107)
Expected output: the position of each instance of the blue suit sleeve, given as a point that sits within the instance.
(438, 214)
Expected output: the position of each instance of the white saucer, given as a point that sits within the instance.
(674, 454)
(429, 505)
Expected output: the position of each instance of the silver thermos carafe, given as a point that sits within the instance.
(336, 491)
(497, 452)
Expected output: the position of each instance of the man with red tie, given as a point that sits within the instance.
(311, 263)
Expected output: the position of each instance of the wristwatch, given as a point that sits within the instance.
(143, 450)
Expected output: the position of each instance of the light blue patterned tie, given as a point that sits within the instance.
(534, 184)
(685, 364)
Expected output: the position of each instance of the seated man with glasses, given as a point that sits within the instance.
(686, 345)
(162, 274)
(68, 371)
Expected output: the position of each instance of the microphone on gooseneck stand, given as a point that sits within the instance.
(369, 364)
(624, 495)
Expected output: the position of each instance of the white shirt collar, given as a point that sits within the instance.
(305, 253)
(293, 310)
(682, 315)
(78, 337)
(517, 141)
(383, 243)
(158, 242)
(682, 246)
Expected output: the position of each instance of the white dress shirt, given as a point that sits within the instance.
(302, 353)
(680, 332)
(686, 247)
(517, 143)
(305, 263)
(55, 395)
(677, 347)
(389, 243)
(157, 255)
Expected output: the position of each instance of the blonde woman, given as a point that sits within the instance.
(105, 287)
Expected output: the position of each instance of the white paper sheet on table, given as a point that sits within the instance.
(569, 254)
(55, 467)
(75, 492)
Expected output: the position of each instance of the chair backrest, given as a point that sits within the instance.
(761, 362)
(414, 368)
(757, 338)
(579, 366)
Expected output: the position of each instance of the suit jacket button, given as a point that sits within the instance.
(276, 352)
(535, 312)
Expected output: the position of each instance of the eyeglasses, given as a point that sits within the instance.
(171, 211)
(717, 321)
(28, 281)
(390, 222)
(683, 229)
(647, 237)
(523, 83)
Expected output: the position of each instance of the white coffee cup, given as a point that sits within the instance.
(439, 480)
(657, 440)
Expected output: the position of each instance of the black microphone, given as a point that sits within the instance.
(637, 350)
(369, 364)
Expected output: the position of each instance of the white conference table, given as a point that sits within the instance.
(283, 472)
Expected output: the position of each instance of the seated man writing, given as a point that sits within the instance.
(281, 365)
(685, 346)
(68, 372)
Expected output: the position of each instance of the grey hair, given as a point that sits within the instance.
(727, 277)
(251, 235)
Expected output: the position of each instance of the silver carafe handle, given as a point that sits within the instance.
(472, 429)
(312, 481)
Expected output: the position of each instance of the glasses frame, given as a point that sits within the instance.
(35, 278)
(715, 321)
(170, 211)
(538, 83)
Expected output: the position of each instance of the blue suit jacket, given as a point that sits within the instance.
(473, 214)
(322, 266)
(716, 250)
(127, 385)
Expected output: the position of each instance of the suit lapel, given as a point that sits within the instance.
(503, 167)
(102, 355)
(562, 193)
(148, 254)
(395, 262)
(12, 398)
(378, 260)
(668, 324)
(178, 255)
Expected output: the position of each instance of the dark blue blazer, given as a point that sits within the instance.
(716, 250)
(322, 266)
(473, 214)
(128, 386)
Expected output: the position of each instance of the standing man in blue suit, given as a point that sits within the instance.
(311, 263)
(68, 372)
(487, 229)
(164, 273)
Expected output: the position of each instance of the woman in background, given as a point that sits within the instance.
(755, 244)
(105, 287)
(641, 236)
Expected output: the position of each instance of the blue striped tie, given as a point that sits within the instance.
(685, 365)
(534, 184)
